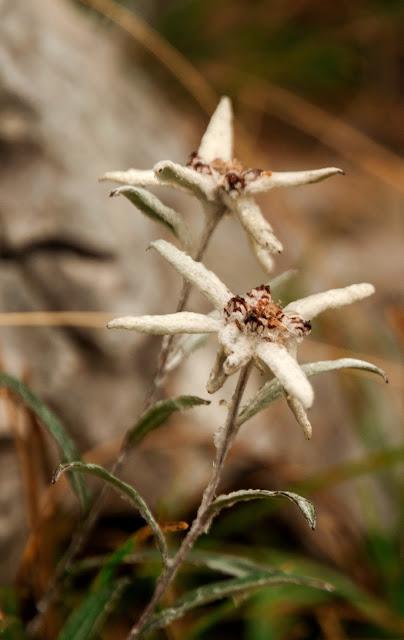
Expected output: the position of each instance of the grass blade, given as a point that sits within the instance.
(85, 622)
(47, 418)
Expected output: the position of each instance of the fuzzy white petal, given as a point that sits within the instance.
(250, 216)
(217, 141)
(217, 376)
(196, 273)
(135, 177)
(269, 181)
(301, 416)
(241, 354)
(287, 370)
(171, 323)
(228, 336)
(152, 206)
(185, 345)
(175, 175)
(263, 256)
(317, 303)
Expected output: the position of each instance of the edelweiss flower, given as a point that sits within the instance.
(222, 183)
(249, 327)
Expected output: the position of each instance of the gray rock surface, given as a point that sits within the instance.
(71, 108)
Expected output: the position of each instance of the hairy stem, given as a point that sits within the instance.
(81, 534)
(202, 519)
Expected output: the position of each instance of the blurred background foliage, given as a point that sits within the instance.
(307, 77)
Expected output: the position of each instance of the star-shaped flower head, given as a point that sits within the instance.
(249, 327)
(222, 184)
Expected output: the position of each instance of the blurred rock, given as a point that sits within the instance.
(70, 109)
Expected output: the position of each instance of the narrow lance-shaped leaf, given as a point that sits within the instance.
(126, 491)
(230, 499)
(272, 390)
(226, 589)
(157, 415)
(67, 448)
(85, 622)
(152, 207)
(226, 564)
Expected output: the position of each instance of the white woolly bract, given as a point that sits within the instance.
(187, 344)
(196, 273)
(217, 141)
(317, 303)
(301, 416)
(171, 323)
(217, 376)
(269, 181)
(242, 352)
(287, 370)
(250, 216)
(135, 177)
(175, 175)
(228, 336)
(263, 256)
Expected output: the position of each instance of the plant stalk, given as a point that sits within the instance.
(81, 534)
(203, 517)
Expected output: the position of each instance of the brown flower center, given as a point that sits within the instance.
(256, 313)
(234, 177)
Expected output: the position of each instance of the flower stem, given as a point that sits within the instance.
(202, 519)
(212, 221)
(81, 534)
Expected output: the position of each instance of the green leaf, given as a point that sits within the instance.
(225, 589)
(68, 450)
(152, 207)
(272, 390)
(158, 414)
(373, 608)
(227, 564)
(230, 499)
(112, 563)
(85, 621)
(126, 491)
